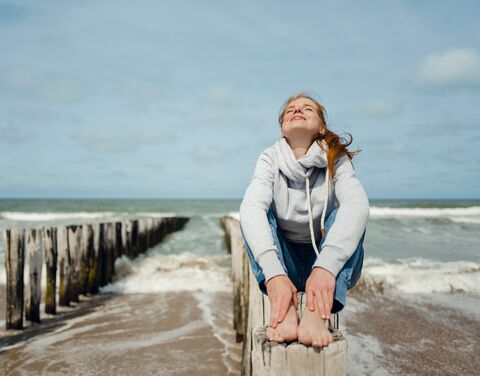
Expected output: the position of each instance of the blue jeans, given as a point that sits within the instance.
(297, 260)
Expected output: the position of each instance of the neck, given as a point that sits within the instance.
(299, 147)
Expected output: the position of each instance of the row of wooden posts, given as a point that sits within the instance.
(251, 315)
(83, 255)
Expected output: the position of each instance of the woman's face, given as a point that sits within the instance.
(301, 120)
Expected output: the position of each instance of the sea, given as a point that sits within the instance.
(421, 273)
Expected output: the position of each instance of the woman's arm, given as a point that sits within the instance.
(350, 221)
(253, 217)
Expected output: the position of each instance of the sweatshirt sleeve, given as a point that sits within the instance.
(253, 218)
(350, 222)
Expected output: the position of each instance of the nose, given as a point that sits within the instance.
(299, 109)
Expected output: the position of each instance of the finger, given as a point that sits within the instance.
(329, 304)
(319, 301)
(295, 300)
(273, 314)
(310, 300)
(325, 304)
(283, 310)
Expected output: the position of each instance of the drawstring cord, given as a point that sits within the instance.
(309, 205)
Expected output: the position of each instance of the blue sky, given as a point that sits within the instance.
(177, 99)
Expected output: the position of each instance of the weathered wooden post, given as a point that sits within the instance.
(50, 247)
(75, 243)
(35, 261)
(118, 241)
(109, 244)
(124, 235)
(260, 356)
(14, 246)
(128, 238)
(93, 270)
(141, 235)
(135, 242)
(86, 257)
(64, 267)
(102, 255)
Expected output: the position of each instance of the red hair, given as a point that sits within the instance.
(337, 146)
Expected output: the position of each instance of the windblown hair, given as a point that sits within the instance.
(337, 146)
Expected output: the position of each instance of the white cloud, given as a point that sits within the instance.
(123, 140)
(375, 109)
(14, 135)
(455, 67)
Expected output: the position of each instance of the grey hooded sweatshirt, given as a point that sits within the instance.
(301, 199)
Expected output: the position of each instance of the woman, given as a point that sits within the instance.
(303, 220)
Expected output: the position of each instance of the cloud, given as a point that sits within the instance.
(13, 135)
(44, 85)
(214, 154)
(374, 109)
(452, 68)
(221, 95)
(121, 141)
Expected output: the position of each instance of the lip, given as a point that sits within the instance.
(298, 117)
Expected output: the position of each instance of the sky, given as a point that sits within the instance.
(157, 99)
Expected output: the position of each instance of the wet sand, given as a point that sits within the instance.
(180, 333)
(412, 336)
(175, 333)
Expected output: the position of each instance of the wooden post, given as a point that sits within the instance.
(14, 246)
(260, 356)
(87, 254)
(75, 242)
(128, 238)
(35, 262)
(50, 247)
(102, 255)
(124, 235)
(141, 235)
(118, 241)
(109, 244)
(64, 267)
(135, 245)
(93, 261)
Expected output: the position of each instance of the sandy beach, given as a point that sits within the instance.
(176, 333)
(167, 334)
(409, 336)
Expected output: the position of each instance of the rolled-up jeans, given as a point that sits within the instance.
(297, 260)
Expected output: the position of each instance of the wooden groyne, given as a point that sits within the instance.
(251, 318)
(80, 256)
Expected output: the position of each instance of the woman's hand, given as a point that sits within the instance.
(320, 286)
(280, 292)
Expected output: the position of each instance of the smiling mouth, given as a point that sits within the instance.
(297, 117)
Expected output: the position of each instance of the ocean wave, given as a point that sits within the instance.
(418, 275)
(460, 215)
(151, 273)
(59, 216)
(463, 215)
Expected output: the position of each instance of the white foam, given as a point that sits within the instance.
(52, 216)
(235, 215)
(175, 272)
(465, 215)
(419, 275)
(61, 216)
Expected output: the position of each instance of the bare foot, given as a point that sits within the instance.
(287, 329)
(312, 330)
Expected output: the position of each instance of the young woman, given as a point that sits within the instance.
(303, 220)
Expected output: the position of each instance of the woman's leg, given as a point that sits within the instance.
(286, 330)
(351, 271)
(288, 259)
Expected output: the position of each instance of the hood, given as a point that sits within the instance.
(301, 168)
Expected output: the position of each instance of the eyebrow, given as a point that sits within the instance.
(305, 105)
